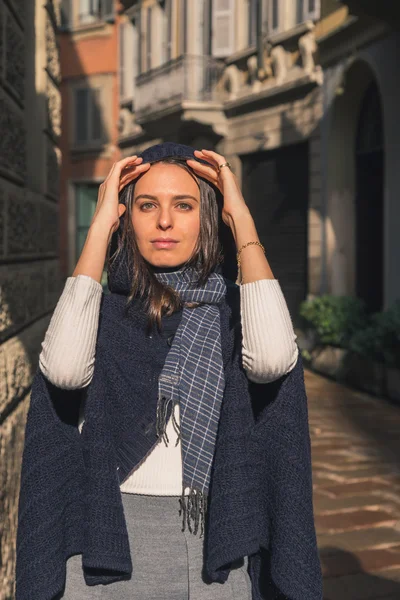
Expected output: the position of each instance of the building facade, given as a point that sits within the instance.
(261, 82)
(30, 122)
(89, 140)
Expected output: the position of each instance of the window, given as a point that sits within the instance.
(107, 9)
(307, 10)
(66, 14)
(87, 113)
(223, 27)
(184, 21)
(85, 206)
(128, 42)
(201, 44)
(167, 31)
(253, 19)
(91, 11)
(274, 16)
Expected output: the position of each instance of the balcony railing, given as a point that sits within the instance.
(185, 79)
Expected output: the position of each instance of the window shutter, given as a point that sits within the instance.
(127, 59)
(148, 38)
(223, 27)
(81, 116)
(139, 30)
(122, 60)
(184, 21)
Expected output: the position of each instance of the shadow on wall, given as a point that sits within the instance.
(348, 576)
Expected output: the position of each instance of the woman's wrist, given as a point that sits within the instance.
(93, 255)
(254, 263)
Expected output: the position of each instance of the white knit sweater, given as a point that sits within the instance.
(68, 355)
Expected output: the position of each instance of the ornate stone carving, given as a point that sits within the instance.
(53, 170)
(308, 47)
(12, 437)
(231, 81)
(53, 108)
(54, 283)
(52, 50)
(12, 139)
(18, 6)
(252, 66)
(2, 11)
(54, 8)
(23, 225)
(279, 63)
(22, 296)
(48, 228)
(2, 222)
(15, 57)
(127, 124)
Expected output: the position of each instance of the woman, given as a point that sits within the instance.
(168, 357)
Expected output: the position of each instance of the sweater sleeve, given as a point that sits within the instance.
(269, 347)
(68, 349)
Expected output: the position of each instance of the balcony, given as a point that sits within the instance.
(185, 83)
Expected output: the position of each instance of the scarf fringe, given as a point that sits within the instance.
(193, 509)
(161, 418)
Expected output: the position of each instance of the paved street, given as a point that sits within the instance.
(356, 474)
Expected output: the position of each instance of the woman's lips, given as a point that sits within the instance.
(164, 244)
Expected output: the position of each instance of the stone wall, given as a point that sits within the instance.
(30, 117)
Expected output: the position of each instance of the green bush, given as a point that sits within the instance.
(335, 319)
(380, 340)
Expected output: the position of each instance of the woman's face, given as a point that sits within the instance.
(166, 215)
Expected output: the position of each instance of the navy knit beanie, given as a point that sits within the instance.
(167, 150)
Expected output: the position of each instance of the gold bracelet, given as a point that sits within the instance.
(245, 246)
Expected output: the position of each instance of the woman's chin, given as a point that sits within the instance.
(165, 262)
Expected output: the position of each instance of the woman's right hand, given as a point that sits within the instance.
(108, 209)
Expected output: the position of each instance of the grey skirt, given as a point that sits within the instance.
(167, 562)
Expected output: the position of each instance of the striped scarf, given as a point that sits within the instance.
(193, 376)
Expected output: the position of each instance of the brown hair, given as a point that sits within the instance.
(159, 299)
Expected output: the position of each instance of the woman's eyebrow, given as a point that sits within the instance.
(178, 197)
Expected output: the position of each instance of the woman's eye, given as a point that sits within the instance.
(146, 205)
(184, 204)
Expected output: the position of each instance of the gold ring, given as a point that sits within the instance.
(226, 164)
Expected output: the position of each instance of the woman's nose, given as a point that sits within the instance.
(164, 219)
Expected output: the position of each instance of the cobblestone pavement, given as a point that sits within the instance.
(356, 474)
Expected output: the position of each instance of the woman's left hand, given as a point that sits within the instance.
(226, 181)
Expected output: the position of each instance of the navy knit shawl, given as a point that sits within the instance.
(261, 483)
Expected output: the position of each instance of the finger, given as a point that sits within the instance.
(117, 168)
(134, 171)
(213, 156)
(209, 172)
(128, 178)
(132, 165)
